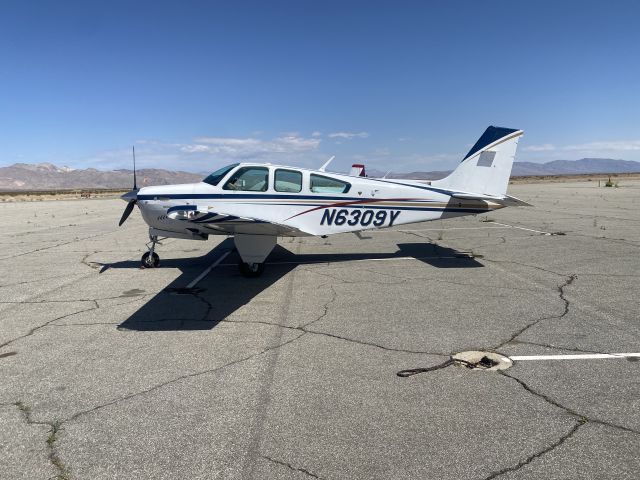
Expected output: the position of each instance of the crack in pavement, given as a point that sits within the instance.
(581, 420)
(92, 265)
(291, 467)
(35, 329)
(561, 294)
(181, 377)
(522, 264)
(55, 246)
(571, 412)
(542, 452)
(38, 280)
(327, 305)
(52, 453)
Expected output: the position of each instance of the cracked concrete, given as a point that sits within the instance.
(24, 453)
(293, 375)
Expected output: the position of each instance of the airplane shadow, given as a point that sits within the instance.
(224, 290)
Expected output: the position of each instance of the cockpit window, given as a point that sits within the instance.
(219, 174)
(249, 179)
(320, 184)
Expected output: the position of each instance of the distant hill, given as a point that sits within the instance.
(46, 176)
(521, 169)
(575, 167)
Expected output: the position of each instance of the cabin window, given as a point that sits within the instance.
(288, 181)
(320, 184)
(219, 174)
(249, 179)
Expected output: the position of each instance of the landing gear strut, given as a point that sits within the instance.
(151, 259)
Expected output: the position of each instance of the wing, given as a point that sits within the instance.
(209, 221)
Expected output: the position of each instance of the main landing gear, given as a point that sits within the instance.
(251, 270)
(151, 259)
(253, 251)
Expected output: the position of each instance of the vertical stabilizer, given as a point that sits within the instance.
(487, 167)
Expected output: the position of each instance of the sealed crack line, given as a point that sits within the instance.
(540, 453)
(291, 467)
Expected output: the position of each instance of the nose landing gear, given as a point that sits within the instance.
(151, 259)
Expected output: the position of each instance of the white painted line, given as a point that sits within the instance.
(522, 228)
(582, 356)
(208, 269)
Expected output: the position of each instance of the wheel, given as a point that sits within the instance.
(150, 260)
(251, 269)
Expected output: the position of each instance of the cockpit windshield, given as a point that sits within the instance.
(219, 174)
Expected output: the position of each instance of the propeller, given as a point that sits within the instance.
(130, 197)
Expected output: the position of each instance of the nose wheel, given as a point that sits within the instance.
(151, 259)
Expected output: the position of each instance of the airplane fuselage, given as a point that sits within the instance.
(353, 204)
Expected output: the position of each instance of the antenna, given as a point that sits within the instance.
(135, 187)
(326, 164)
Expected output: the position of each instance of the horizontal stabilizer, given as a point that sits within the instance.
(506, 200)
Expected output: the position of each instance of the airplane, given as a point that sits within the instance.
(258, 202)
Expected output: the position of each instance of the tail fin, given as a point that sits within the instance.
(487, 167)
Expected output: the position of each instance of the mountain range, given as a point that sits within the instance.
(555, 167)
(46, 176)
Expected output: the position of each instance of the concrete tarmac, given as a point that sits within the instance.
(109, 371)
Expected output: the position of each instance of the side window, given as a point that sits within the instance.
(288, 181)
(249, 179)
(320, 184)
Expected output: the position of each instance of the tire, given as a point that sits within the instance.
(251, 270)
(150, 260)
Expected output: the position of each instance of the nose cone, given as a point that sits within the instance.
(129, 196)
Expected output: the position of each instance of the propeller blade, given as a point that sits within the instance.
(135, 186)
(127, 211)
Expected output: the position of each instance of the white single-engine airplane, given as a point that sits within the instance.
(256, 203)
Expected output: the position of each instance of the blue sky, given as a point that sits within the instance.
(402, 85)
